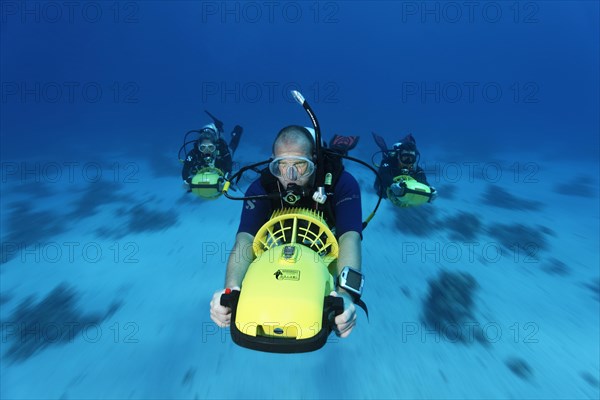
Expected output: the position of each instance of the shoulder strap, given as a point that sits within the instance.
(333, 166)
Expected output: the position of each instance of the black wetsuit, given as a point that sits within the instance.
(195, 161)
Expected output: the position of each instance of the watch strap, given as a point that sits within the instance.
(359, 302)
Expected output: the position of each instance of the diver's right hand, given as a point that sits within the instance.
(346, 321)
(219, 314)
(220, 184)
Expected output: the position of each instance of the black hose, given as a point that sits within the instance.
(380, 192)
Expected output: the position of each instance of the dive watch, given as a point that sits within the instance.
(352, 280)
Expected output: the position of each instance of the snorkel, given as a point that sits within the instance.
(323, 178)
(319, 195)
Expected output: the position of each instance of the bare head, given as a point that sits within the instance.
(296, 139)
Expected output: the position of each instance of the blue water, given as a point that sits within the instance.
(107, 90)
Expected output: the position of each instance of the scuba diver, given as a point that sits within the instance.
(210, 155)
(209, 151)
(403, 181)
(292, 180)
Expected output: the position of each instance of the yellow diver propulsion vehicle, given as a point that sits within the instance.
(207, 183)
(414, 192)
(284, 304)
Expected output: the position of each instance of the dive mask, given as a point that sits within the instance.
(407, 157)
(207, 148)
(291, 168)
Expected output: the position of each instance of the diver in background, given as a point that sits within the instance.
(401, 160)
(291, 174)
(209, 151)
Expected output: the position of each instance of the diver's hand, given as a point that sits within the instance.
(220, 184)
(219, 314)
(186, 186)
(397, 189)
(345, 322)
(434, 194)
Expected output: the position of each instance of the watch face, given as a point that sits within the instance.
(354, 280)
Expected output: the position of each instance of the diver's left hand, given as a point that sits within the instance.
(345, 322)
